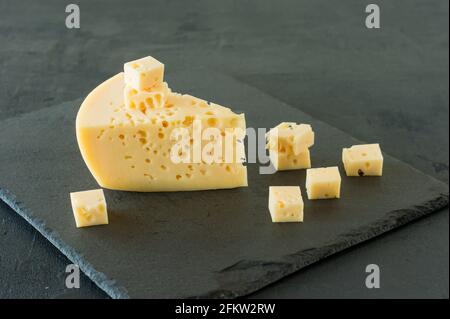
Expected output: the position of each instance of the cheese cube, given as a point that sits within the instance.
(144, 74)
(323, 183)
(363, 160)
(290, 137)
(143, 100)
(89, 208)
(285, 204)
(288, 161)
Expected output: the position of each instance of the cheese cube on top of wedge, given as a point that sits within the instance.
(285, 204)
(144, 74)
(89, 208)
(132, 149)
(363, 160)
(289, 144)
(323, 183)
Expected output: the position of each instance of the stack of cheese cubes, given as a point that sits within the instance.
(289, 144)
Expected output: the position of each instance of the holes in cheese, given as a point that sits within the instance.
(147, 137)
(289, 144)
(363, 160)
(285, 204)
(323, 183)
(89, 208)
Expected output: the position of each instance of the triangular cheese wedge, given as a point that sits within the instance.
(132, 149)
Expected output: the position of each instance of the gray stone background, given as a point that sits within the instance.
(388, 85)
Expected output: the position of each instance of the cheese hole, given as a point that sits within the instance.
(188, 120)
(127, 157)
(178, 177)
(209, 113)
(143, 140)
(121, 136)
(212, 121)
(161, 135)
(142, 133)
(228, 168)
(295, 161)
(188, 175)
(132, 166)
(149, 102)
(158, 98)
(142, 107)
(163, 167)
(132, 105)
(190, 167)
(147, 160)
(280, 204)
(367, 164)
(202, 171)
(155, 152)
(364, 154)
(165, 124)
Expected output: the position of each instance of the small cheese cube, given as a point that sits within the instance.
(290, 137)
(144, 74)
(143, 100)
(363, 160)
(89, 208)
(285, 204)
(288, 161)
(323, 183)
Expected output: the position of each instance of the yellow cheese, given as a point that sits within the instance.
(287, 161)
(145, 100)
(363, 160)
(289, 137)
(323, 183)
(285, 204)
(144, 74)
(131, 150)
(289, 144)
(89, 208)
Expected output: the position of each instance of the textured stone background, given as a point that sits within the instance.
(389, 85)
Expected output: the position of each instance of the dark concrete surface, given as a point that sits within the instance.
(389, 85)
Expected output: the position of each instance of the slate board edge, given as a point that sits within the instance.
(302, 259)
(111, 287)
(288, 266)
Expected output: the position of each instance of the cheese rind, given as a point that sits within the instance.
(285, 204)
(144, 74)
(323, 183)
(290, 161)
(89, 208)
(126, 149)
(363, 160)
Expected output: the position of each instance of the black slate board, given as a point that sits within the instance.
(200, 244)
